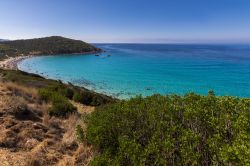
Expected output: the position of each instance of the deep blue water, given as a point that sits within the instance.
(133, 69)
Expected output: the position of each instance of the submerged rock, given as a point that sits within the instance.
(148, 88)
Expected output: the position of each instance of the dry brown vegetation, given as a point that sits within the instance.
(20, 90)
(29, 136)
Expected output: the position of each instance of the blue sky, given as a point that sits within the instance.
(149, 21)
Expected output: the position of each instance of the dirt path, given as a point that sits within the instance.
(83, 109)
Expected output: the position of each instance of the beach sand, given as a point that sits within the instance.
(11, 62)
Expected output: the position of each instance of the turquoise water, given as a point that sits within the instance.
(133, 69)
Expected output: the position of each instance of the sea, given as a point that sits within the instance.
(128, 70)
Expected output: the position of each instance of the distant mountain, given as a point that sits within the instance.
(46, 46)
(3, 40)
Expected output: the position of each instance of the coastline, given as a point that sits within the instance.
(11, 62)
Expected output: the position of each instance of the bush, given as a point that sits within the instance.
(91, 98)
(80, 133)
(45, 94)
(62, 108)
(172, 130)
(48, 95)
(62, 90)
(82, 97)
(69, 93)
(60, 104)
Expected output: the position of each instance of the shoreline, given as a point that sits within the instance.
(12, 62)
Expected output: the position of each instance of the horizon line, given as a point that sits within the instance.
(161, 40)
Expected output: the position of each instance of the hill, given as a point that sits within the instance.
(46, 46)
(3, 40)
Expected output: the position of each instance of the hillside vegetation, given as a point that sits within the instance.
(171, 130)
(30, 136)
(45, 46)
(48, 88)
(39, 118)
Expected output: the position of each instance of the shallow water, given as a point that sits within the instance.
(126, 70)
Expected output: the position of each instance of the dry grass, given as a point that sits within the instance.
(20, 90)
(66, 161)
(37, 138)
(13, 105)
(83, 109)
(8, 158)
(70, 125)
(83, 155)
(46, 118)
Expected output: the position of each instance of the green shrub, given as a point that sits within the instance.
(62, 108)
(60, 104)
(172, 130)
(97, 100)
(62, 90)
(69, 93)
(83, 97)
(45, 94)
(80, 133)
(91, 98)
(49, 95)
(77, 97)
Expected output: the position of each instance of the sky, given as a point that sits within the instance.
(128, 21)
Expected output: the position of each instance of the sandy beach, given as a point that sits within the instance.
(11, 62)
